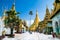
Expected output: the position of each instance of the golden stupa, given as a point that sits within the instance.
(35, 24)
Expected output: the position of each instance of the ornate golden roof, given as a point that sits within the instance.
(46, 19)
(56, 8)
(47, 15)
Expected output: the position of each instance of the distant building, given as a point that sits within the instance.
(23, 27)
(49, 27)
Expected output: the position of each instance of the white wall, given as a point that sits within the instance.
(1, 26)
(56, 18)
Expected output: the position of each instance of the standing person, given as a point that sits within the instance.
(53, 34)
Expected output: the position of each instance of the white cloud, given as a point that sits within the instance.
(29, 22)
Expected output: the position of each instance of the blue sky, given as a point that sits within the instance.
(24, 6)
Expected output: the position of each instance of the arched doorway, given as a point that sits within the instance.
(57, 27)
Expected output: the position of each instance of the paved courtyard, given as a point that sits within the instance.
(33, 36)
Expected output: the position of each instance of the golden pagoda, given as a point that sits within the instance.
(47, 17)
(35, 24)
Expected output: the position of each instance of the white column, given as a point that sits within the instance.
(53, 24)
(59, 25)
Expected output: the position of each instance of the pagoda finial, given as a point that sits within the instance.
(46, 6)
(37, 18)
(14, 2)
(36, 12)
(13, 6)
(47, 10)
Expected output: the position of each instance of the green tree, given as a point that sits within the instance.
(18, 21)
(11, 18)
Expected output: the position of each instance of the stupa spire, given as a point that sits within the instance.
(36, 18)
(37, 12)
(47, 15)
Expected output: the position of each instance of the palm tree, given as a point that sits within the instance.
(30, 13)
